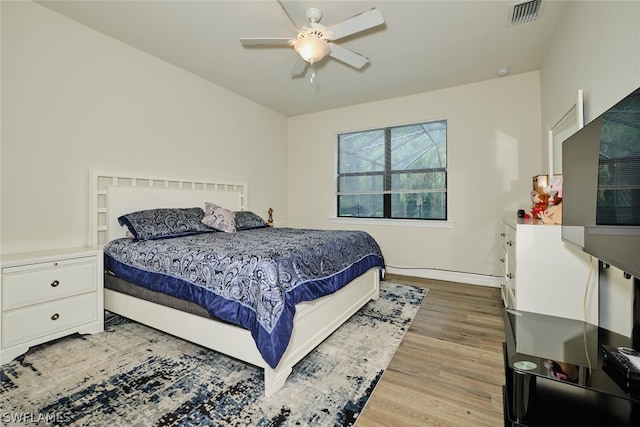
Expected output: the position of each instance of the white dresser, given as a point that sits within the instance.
(542, 274)
(47, 295)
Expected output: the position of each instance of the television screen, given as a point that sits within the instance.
(618, 200)
(601, 186)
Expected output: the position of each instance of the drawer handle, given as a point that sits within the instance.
(502, 260)
(55, 284)
(56, 316)
(510, 276)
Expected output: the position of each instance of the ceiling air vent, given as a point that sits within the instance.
(525, 11)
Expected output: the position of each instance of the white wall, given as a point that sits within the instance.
(596, 50)
(74, 99)
(493, 150)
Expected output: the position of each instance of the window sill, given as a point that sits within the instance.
(393, 222)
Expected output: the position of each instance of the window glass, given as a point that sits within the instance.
(362, 152)
(395, 172)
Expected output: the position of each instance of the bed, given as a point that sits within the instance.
(311, 300)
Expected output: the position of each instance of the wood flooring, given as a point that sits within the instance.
(448, 370)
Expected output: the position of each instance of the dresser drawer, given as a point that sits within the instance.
(510, 242)
(35, 321)
(35, 283)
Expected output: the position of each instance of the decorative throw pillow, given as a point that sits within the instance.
(246, 220)
(164, 223)
(219, 218)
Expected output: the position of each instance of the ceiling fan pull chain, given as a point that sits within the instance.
(313, 71)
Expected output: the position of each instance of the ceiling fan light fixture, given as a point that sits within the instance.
(312, 49)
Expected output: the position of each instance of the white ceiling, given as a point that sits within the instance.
(423, 45)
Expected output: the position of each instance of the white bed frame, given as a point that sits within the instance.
(113, 193)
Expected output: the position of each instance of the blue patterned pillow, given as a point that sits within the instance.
(164, 223)
(246, 220)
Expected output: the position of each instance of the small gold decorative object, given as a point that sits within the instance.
(270, 220)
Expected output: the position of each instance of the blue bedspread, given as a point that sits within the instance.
(252, 278)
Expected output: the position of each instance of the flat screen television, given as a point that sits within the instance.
(601, 186)
(601, 193)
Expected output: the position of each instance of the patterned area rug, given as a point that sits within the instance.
(132, 375)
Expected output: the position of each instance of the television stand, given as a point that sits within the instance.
(554, 374)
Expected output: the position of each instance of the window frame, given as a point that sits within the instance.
(387, 173)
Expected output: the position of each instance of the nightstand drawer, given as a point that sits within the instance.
(24, 324)
(47, 281)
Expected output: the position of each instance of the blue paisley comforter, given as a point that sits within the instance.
(252, 278)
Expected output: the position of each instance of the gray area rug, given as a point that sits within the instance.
(132, 375)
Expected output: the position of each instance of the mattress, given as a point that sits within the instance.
(117, 284)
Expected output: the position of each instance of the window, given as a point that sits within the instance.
(396, 172)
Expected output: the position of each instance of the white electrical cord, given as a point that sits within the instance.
(584, 308)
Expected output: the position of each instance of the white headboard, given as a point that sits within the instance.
(114, 193)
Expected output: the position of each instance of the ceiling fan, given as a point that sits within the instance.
(314, 41)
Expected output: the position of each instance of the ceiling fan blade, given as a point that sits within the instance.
(265, 41)
(347, 56)
(368, 19)
(295, 13)
(300, 67)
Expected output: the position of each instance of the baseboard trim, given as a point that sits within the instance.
(449, 276)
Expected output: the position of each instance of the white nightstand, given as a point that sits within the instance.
(47, 295)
